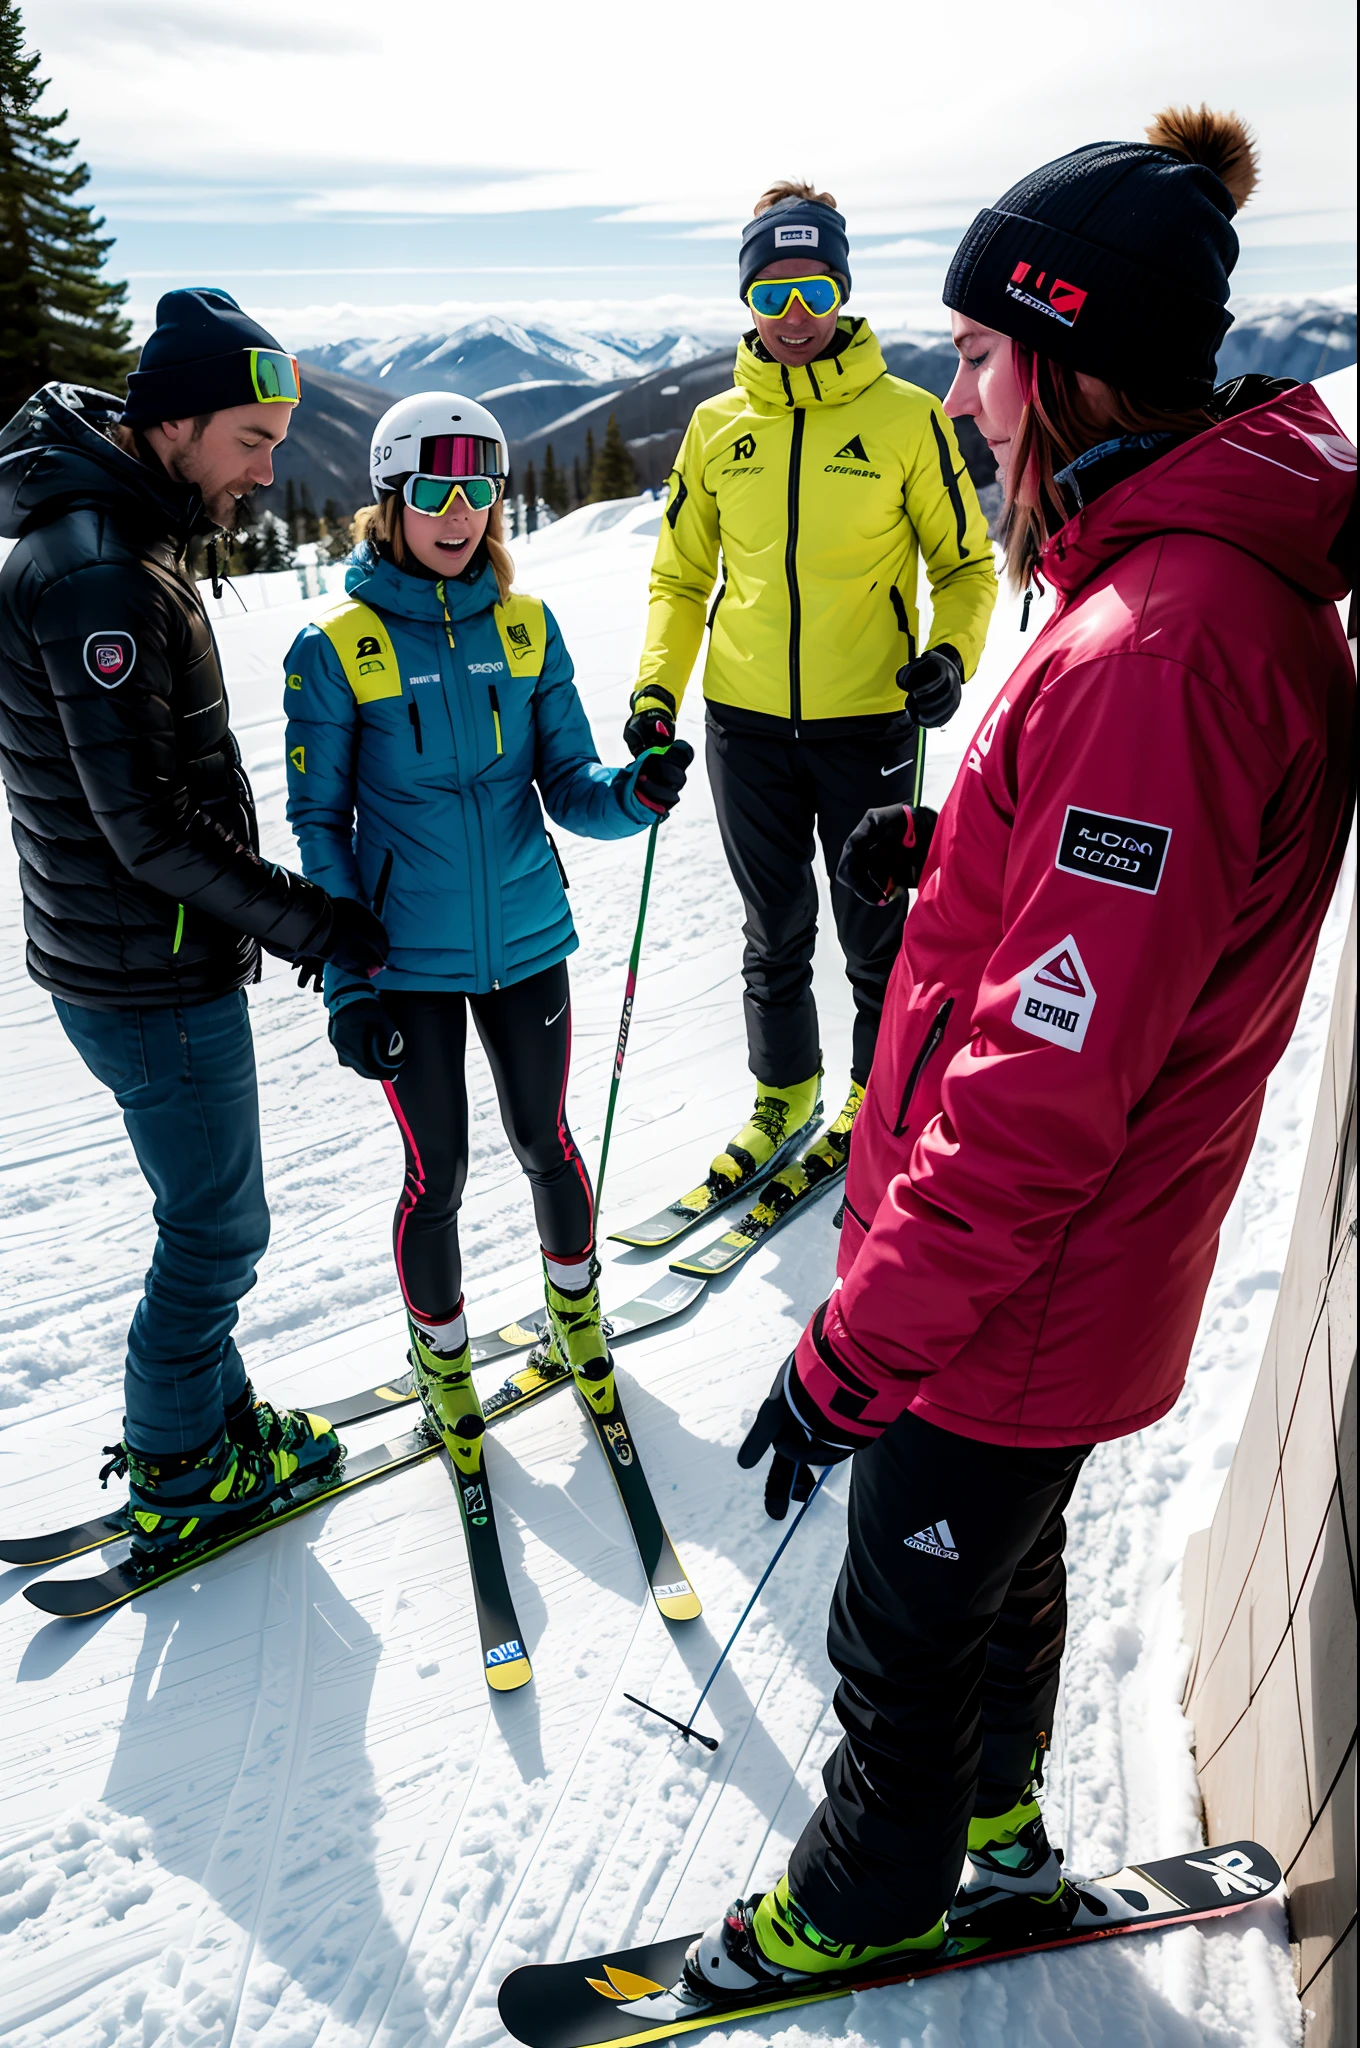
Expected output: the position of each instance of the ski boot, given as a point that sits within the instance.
(831, 1152)
(453, 1408)
(767, 1941)
(779, 1114)
(180, 1502)
(1016, 1890)
(285, 1435)
(577, 1339)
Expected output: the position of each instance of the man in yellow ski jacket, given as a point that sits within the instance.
(820, 484)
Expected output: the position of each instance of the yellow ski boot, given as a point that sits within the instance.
(779, 1115)
(767, 1941)
(576, 1338)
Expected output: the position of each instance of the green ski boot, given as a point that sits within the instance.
(180, 1502)
(1016, 1889)
(768, 1940)
(447, 1394)
(830, 1153)
(286, 1435)
(576, 1339)
(778, 1115)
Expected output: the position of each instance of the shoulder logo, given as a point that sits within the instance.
(1054, 297)
(1126, 852)
(518, 636)
(1056, 997)
(935, 1541)
(110, 658)
(853, 451)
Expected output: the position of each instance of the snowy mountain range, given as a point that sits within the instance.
(487, 355)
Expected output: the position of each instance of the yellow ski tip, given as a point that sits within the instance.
(391, 1394)
(681, 1606)
(515, 1333)
(509, 1677)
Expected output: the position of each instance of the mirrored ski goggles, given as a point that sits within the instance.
(459, 455)
(274, 376)
(434, 495)
(771, 297)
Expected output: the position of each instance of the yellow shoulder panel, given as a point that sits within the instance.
(365, 649)
(524, 634)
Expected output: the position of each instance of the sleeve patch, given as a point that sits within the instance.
(1125, 852)
(110, 658)
(1056, 997)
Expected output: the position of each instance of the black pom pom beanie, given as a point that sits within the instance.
(1114, 260)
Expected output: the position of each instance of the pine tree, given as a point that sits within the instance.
(553, 489)
(612, 474)
(307, 519)
(578, 495)
(588, 467)
(336, 531)
(530, 499)
(59, 316)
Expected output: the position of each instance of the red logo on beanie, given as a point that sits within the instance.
(1054, 297)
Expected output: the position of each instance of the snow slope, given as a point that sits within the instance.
(272, 1804)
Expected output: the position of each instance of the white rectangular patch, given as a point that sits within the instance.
(795, 238)
(1056, 997)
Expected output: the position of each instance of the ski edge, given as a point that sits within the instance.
(686, 1223)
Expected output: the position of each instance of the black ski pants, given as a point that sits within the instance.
(947, 1628)
(775, 797)
(526, 1033)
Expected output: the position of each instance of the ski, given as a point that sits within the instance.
(665, 1298)
(727, 1252)
(75, 1599)
(666, 1576)
(680, 1216)
(641, 1994)
(505, 1661)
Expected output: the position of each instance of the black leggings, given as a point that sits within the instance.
(526, 1033)
(947, 1629)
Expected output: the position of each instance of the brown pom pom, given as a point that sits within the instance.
(1222, 142)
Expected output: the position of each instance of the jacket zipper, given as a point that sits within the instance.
(384, 877)
(413, 710)
(495, 715)
(791, 573)
(919, 1064)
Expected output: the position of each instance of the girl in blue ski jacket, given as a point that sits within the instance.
(432, 718)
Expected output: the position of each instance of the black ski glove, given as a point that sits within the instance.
(933, 684)
(789, 1423)
(653, 721)
(661, 776)
(351, 937)
(884, 855)
(366, 1039)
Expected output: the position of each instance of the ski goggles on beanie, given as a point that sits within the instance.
(434, 495)
(248, 376)
(771, 297)
(275, 376)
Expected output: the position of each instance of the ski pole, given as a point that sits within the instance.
(626, 1019)
(687, 1728)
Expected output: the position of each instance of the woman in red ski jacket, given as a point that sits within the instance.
(1115, 924)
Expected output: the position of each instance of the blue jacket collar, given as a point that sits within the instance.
(381, 584)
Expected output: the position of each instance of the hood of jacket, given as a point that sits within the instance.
(56, 454)
(829, 380)
(374, 580)
(1277, 482)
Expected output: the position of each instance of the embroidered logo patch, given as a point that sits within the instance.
(1052, 296)
(936, 1541)
(110, 658)
(1056, 997)
(1123, 851)
(796, 238)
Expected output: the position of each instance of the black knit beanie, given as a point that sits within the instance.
(195, 361)
(795, 227)
(1115, 260)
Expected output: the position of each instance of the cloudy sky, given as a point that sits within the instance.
(363, 169)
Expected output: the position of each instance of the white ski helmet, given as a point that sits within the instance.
(436, 433)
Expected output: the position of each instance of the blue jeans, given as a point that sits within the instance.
(185, 1082)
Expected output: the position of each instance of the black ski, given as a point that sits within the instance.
(505, 1661)
(773, 1206)
(77, 1598)
(666, 1576)
(680, 1216)
(642, 1994)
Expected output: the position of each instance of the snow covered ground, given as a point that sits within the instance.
(272, 1804)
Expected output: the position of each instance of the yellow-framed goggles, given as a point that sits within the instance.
(771, 297)
(274, 376)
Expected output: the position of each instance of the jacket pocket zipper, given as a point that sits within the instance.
(414, 711)
(561, 867)
(384, 877)
(495, 715)
(919, 1064)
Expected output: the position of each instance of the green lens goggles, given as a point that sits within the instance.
(771, 297)
(274, 376)
(434, 495)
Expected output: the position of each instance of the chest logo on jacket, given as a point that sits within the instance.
(519, 639)
(368, 653)
(1125, 852)
(854, 451)
(110, 658)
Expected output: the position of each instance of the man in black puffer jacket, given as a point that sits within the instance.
(146, 902)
